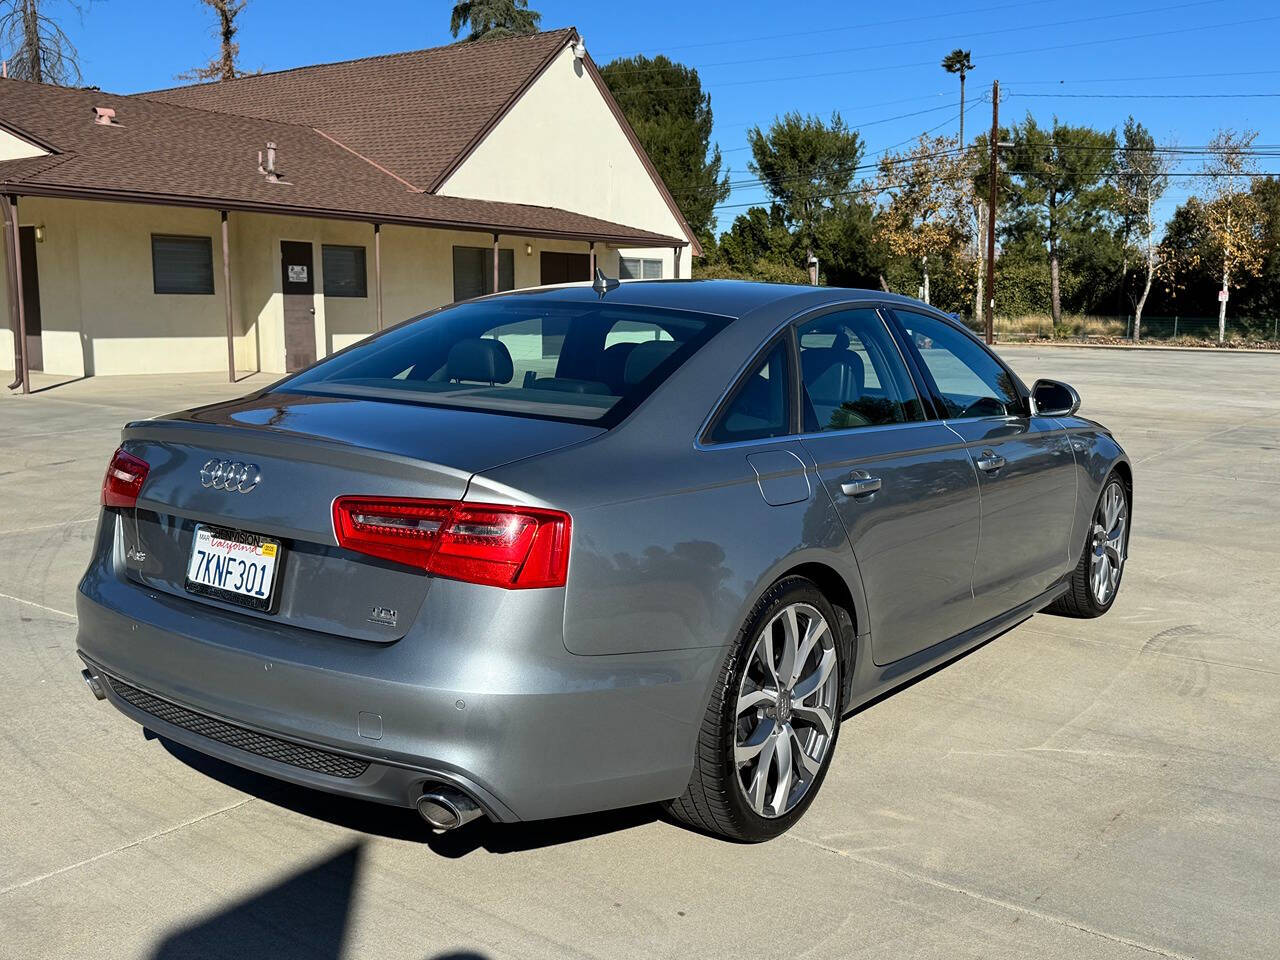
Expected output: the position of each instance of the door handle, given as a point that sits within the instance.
(990, 462)
(860, 484)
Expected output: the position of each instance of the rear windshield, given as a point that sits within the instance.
(584, 362)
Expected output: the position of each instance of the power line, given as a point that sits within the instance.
(1144, 96)
(989, 56)
(946, 38)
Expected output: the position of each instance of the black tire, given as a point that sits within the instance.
(714, 801)
(1079, 601)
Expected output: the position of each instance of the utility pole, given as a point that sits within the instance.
(990, 285)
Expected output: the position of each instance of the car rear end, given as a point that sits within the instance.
(303, 584)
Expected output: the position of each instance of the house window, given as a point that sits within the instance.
(637, 268)
(344, 273)
(473, 271)
(182, 264)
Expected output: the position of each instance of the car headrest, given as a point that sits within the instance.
(482, 361)
(612, 367)
(646, 358)
(833, 372)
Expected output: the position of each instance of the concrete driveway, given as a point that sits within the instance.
(1073, 789)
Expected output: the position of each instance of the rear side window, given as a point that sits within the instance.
(969, 381)
(853, 375)
(527, 355)
(761, 406)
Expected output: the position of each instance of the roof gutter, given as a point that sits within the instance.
(322, 213)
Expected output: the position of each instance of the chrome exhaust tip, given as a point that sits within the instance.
(95, 687)
(447, 809)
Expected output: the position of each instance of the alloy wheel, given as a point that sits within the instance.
(1110, 526)
(786, 712)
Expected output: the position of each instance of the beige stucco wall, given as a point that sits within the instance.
(560, 146)
(100, 314)
(15, 148)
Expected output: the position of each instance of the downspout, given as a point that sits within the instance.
(21, 377)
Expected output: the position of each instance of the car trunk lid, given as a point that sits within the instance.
(306, 451)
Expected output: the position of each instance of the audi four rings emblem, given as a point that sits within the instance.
(230, 475)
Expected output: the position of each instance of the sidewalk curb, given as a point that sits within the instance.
(1053, 345)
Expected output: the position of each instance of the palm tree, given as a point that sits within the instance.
(957, 61)
(493, 19)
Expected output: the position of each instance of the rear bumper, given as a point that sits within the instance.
(480, 694)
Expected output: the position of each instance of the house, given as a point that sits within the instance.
(263, 222)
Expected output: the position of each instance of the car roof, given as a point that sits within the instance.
(729, 298)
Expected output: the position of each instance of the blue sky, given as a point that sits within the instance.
(1169, 64)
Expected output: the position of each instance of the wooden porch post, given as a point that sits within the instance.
(377, 269)
(226, 297)
(676, 269)
(21, 356)
(495, 263)
(16, 324)
(591, 250)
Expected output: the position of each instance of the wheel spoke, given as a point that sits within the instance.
(814, 631)
(754, 744)
(760, 779)
(790, 643)
(764, 653)
(762, 697)
(810, 766)
(817, 716)
(814, 681)
(785, 769)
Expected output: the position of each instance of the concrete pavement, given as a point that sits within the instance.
(1103, 788)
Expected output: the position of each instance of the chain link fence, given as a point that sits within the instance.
(1264, 331)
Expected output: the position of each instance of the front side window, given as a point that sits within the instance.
(639, 268)
(527, 355)
(970, 382)
(760, 407)
(344, 272)
(852, 373)
(181, 264)
(473, 271)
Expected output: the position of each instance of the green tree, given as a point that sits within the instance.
(226, 65)
(1233, 216)
(806, 165)
(493, 19)
(757, 235)
(1141, 178)
(1060, 185)
(958, 61)
(34, 46)
(665, 105)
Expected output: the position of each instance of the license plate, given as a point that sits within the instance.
(234, 566)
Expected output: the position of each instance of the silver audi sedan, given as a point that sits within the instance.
(583, 547)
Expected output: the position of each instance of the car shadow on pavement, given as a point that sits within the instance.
(305, 916)
(404, 824)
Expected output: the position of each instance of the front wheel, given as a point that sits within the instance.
(1095, 581)
(771, 726)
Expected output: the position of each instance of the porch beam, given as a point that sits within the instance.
(495, 263)
(20, 358)
(377, 269)
(226, 297)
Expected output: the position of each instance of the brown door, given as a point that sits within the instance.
(565, 267)
(297, 279)
(31, 298)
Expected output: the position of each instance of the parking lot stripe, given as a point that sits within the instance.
(41, 606)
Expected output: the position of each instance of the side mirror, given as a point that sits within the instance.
(1052, 398)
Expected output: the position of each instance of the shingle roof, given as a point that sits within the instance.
(368, 162)
(415, 112)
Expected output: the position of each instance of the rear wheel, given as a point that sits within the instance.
(771, 726)
(1096, 579)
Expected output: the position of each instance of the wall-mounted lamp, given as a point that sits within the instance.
(528, 249)
(40, 233)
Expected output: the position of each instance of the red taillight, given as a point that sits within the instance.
(124, 479)
(500, 546)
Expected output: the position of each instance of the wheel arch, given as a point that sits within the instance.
(840, 595)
